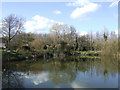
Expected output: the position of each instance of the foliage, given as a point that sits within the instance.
(37, 44)
(61, 39)
(21, 39)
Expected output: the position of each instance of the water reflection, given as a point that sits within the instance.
(70, 72)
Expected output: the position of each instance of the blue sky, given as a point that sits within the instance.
(84, 16)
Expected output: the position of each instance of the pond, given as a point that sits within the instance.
(69, 72)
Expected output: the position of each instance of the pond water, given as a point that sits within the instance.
(69, 72)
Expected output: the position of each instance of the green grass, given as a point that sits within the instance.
(85, 52)
(89, 57)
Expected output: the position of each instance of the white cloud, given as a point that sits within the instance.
(0, 25)
(39, 24)
(84, 2)
(78, 3)
(116, 32)
(57, 12)
(87, 8)
(82, 33)
(114, 3)
(36, 79)
(77, 85)
(40, 78)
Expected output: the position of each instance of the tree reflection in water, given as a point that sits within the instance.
(59, 71)
(62, 73)
(11, 80)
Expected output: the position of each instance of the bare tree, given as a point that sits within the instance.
(11, 26)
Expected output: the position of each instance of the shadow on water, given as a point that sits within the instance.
(69, 72)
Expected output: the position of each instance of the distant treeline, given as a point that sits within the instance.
(62, 38)
(65, 39)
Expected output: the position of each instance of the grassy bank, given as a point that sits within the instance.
(86, 53)
(25, 54)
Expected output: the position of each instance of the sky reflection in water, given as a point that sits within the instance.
(64, 74)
